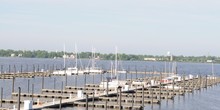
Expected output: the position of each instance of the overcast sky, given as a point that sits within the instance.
(183, 27)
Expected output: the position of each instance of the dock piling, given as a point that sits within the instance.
(143, 96)
(19, 97)
(13, 84)
(87, 101)
(28, 85)
(119, 97)
(1, 96)
(1, 69)
(93, 100)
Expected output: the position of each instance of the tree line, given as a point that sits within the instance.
(110, 56)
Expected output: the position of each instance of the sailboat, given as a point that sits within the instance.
(93, 69)
(70, 70)
(113, 81)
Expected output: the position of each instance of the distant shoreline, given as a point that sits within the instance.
(110, 56)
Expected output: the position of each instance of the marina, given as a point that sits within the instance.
(140, 90)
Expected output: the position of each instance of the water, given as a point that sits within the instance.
(202, 100)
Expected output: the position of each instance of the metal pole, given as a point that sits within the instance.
(19, 97)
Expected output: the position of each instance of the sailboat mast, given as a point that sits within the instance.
(116, 61)
(212, 69)
(64, 56)
(76, 56)
(93, 57)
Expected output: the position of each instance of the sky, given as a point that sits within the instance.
(153, 27)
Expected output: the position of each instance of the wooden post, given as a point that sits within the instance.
(38, 68)
(87, 101)
(60, 106)
(33, 68)
(27, 68)
(44, 67)
(126, 75)
(9, 69)
(206, 81)
(32, 93)
(167, 90)
(119, 97)
(200, 82)
(136, 72)
(143, 96)
(28, 85)
(152, 96)
(173, 87)
(184, 84)
(130, 74)
(65, 77)
(76, 81)
(1, 69)
(193, 85)
(85, 82)
(145, 71)
(19, 97)
(93, 100)
(21, 69)
(42, 86)
(13, 84)
(93, 79)
(132, 102)
(160, 86)
(107, 86)
(101, 77)
(54, 83)
(106, 105)
(1, 96)
(48, 68)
